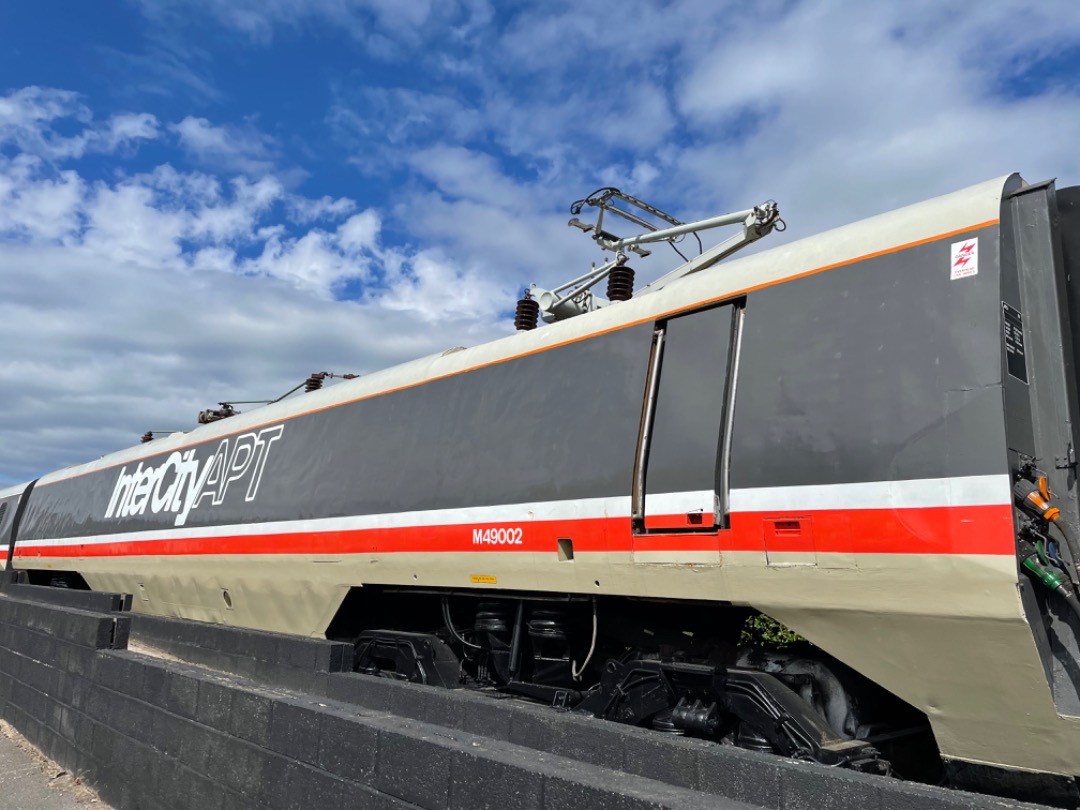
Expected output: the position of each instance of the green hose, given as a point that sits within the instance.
(1053, 581)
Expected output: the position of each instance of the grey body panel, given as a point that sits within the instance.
(574, 409)
(882, 370)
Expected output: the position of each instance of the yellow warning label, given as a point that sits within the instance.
(483, 579)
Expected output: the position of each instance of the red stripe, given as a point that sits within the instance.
(925, 530)
(937, 530)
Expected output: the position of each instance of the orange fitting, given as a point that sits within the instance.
(1047, 511)
(1039, 502)
(1044, 488)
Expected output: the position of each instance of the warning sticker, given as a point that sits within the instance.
(965, 259)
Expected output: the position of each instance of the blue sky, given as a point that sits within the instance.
(210, 199)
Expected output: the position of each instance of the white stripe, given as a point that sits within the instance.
(975, 490)
(503, 513)
(933, 492)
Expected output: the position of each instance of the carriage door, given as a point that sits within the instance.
(680, 479)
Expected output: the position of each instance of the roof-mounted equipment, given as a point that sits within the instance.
(227, 409)
(576, 297)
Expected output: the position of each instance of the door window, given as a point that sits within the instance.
(683, 486)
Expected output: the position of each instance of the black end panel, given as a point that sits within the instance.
(1068, 204)
(16, 521)
(1031, 243)
(7, 518)
(1041, 403)
(1019, 431)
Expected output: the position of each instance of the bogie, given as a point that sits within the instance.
(674, 667)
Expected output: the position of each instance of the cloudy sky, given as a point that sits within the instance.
(210, 199)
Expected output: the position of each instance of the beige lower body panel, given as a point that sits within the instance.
(945, 633)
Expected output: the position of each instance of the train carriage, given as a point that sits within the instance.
(867, 435)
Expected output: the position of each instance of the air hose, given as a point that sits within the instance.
(1052, 580)
(1036, 500)
(1071, 540)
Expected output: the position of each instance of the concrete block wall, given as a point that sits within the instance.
(158, 734)
(96, 601)
(155, 734)
(291, 662)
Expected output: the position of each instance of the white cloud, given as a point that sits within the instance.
(304, 210)
(26, 117)
(438, 291)
(228, 148)
(382, 25)
(468, 175)
(123, 222)
(125, 128)
(360, 232)
(313, 262)
(26, 114)
(639, 177)
(397, 115)
(163, 66)
(35, 204)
